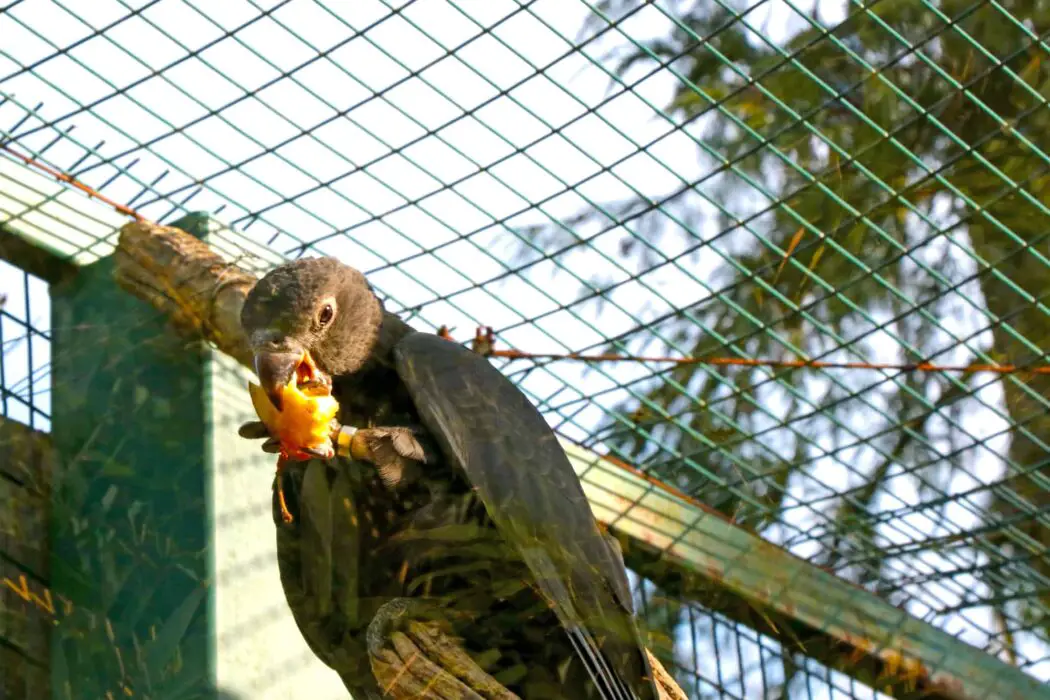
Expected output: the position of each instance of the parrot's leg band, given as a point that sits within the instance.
(350, 443)
(344, 439)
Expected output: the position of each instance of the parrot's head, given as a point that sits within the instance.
(312, 319)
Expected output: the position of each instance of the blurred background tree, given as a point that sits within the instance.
(869, 189)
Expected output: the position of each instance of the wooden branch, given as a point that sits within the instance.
(665, 683)
(181, 276)
(422, 661)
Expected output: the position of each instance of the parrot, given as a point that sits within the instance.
(446, 499)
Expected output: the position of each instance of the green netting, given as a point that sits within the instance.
(770, 179)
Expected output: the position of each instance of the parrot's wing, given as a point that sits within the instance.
(318, 557)
(488, 428)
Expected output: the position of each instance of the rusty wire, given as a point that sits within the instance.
(484, 338)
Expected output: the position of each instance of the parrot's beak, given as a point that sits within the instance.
(276, 370)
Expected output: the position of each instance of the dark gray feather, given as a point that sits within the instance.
(491, 431)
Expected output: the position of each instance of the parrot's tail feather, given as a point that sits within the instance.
(609, 683)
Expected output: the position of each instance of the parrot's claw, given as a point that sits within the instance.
(253, 430)
(321, 452)
(398, 452)
(257, 430)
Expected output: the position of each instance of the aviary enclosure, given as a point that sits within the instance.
(774, 271)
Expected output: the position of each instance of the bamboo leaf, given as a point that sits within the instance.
(163, 648)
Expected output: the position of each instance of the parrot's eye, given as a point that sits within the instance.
(325, 317)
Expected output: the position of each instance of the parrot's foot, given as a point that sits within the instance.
(413, 656)
(257, 430)
(398, 452)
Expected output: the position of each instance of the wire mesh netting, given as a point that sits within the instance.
(847, 182)
(25, 336)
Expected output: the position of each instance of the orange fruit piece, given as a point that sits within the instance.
(304, 420)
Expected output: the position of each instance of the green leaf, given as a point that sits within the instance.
(162, 649)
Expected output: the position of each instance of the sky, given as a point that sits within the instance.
(414, 140)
